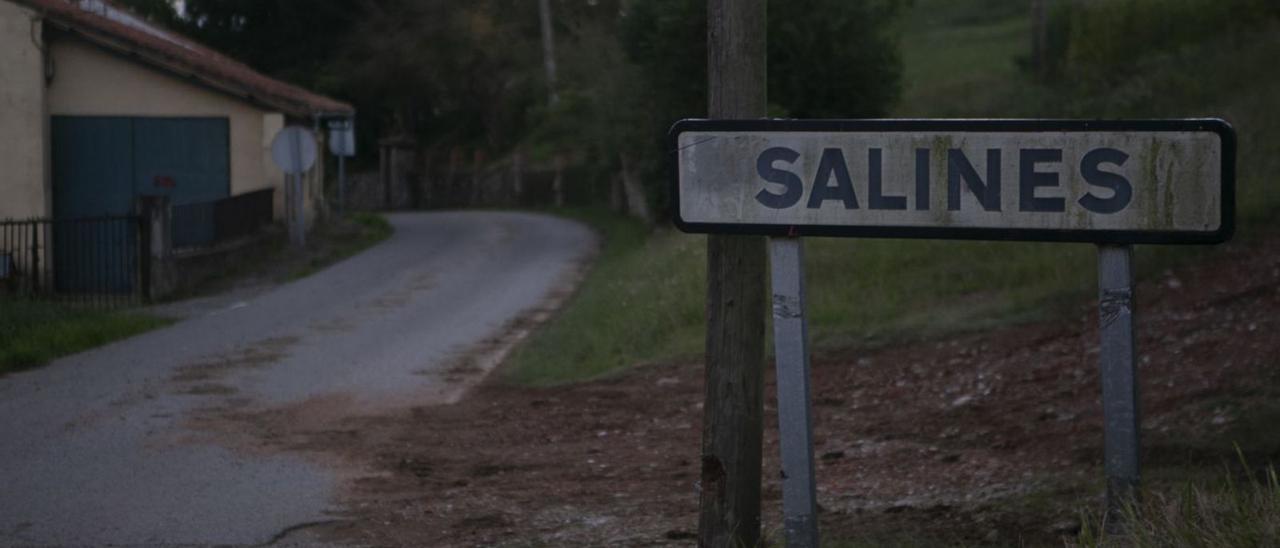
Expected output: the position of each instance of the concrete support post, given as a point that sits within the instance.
(795, 418)
(1119, 375)
(158, 271)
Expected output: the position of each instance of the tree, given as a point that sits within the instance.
(827, 58)
(295, 40)
(161, 12)
(464, 73)
(833, 58)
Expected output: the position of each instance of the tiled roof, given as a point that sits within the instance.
(106, 25)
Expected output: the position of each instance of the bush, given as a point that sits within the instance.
(826, 59)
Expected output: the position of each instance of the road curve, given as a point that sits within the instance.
(106, 447)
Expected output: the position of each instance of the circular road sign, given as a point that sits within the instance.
(294, 150)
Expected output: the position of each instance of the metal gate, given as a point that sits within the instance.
(95, 261)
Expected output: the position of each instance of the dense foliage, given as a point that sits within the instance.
(471, 73)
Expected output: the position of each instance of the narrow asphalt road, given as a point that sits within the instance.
(105, 447)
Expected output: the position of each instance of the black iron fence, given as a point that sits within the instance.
(214, 222)
(94, 261)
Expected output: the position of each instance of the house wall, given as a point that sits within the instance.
(23, 120)
(91, 81)
(272, 124)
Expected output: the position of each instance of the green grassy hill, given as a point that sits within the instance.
(644, 299)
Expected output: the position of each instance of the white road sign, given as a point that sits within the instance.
(294, 150)
(1169, 181)
(342, 137)
(342, 142)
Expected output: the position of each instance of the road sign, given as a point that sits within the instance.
(342, 141)
(1114, 183)
(1085, 181)
(294, 150)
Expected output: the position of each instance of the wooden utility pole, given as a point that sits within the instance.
(1039, 38)
(548, 49)
(732, 425)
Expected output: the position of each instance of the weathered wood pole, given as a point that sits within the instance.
(736, 287)
(548, 50)
(557, 183)
(1039, 38)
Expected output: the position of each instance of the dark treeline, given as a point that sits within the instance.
(471, 74)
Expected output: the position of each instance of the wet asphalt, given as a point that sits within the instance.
(102, 448)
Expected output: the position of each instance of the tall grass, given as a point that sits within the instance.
(1232, 514)
(641, 300)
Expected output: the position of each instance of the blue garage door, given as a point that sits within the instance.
(187, 160)
(101, 164)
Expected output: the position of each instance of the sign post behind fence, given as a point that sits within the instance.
(795, 424)
(1119, 374)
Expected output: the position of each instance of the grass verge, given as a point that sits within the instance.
(643, 298)
(639, 300)
(272, 259)
(34, 333)
(342, 238)
(1238, 508)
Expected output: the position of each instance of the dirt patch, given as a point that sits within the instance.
(335, 429)
(990, 438)
(210, 389)
(252, 356)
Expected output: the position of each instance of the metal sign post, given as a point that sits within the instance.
(295, 159)
(294, 151)
(1119, 374)
(1111, 183)
(795, 424)
(342, 143)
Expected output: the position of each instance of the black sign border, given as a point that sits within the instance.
(1221, 127)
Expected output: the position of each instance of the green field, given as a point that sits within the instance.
(644, 299)
(961, 64)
